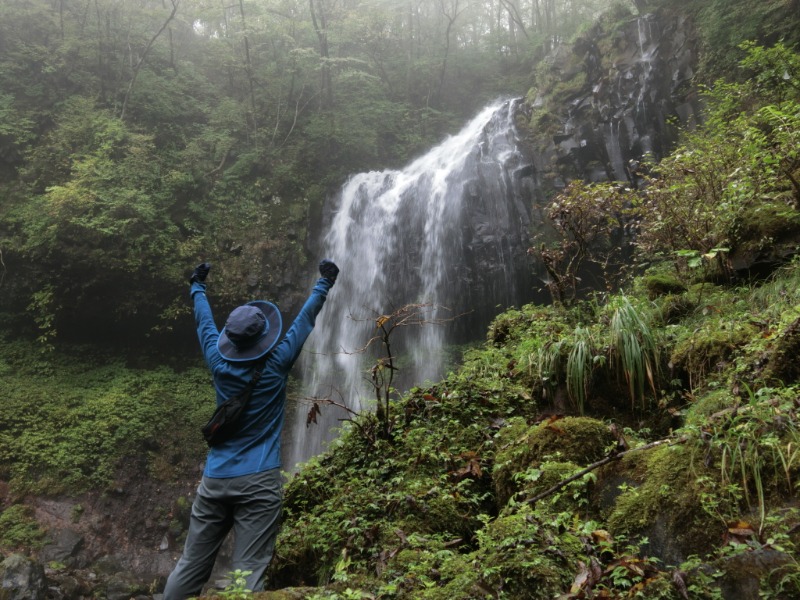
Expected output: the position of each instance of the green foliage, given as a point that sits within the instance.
(237, 588)
(621, 344)
(18, 528)
(775, 70)
(633, 348)
(724, 24)
(15, 129)
(70, 422)
(757, 446)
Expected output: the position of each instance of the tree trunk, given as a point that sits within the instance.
(138, 66)
(319, 18)
(248, 68)
(451, 19)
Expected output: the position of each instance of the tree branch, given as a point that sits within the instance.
(604, 461)
(139, 63)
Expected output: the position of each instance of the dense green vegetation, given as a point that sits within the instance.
(77, 420)
(692, 357)
(135, 140)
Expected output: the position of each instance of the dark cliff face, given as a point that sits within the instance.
(619, 93)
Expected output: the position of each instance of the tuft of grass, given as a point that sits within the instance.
(633, 349)
(579, 367)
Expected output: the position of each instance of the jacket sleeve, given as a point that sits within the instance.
(207, 331)
(288, 350)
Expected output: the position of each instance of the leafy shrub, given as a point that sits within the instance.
(18, 528)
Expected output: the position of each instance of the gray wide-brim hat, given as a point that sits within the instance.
(250, 332)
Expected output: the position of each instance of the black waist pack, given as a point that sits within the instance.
(224, 423)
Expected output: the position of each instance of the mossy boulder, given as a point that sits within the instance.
(537, 480)
(709, 404)
(764, 238)
(425, 565)
(666, 507)
(662, 284)
(577, 440)
(708, 348)
(782, 364)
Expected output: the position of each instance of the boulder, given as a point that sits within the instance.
(21, 579)
(64, 549)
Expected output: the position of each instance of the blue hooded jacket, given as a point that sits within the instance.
(257, 447)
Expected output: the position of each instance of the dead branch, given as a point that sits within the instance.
(605, 461)
(405, 316)
(220, 165)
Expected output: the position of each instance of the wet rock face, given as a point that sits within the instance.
(21, 579)
(618, 95)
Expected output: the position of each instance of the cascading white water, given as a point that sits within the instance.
(448, 231)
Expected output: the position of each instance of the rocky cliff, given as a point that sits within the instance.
(618, 94)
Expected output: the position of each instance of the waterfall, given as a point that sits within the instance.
(449, 232)
(647, 51)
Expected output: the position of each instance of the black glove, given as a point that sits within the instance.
(200, 272)
(328, 269)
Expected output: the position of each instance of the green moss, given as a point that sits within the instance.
(782, 364)
(520, 556)
(765, 224)
(425, 565)
(662, 284)
(668, 507)
(579, 440)
(539, 479)
(709, 404)
(19, 529)
(704, 349)
(675, 307)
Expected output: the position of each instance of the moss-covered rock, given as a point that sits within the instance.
(709, 404)
(520, 557)
(782, 364)
(707, 348)
(662, 284)
(667, 506)
(764, 237)
(579, 440)
(537, 480)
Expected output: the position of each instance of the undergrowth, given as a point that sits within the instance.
(72, 418)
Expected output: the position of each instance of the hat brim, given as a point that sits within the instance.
(265, 343)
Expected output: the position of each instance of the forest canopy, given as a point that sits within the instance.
(139, 137)
(134, 134)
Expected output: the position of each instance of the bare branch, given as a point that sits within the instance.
(140, 62)
(605, 461)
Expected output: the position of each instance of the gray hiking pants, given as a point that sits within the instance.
(251, 505)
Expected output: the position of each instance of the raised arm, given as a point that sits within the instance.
(288, 350)
(207, 331)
